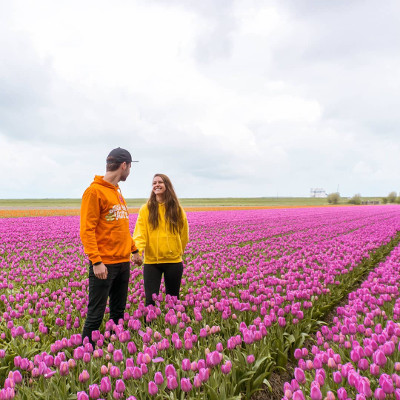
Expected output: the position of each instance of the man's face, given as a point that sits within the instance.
(125, 171)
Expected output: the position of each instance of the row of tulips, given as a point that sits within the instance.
(358, 355)
(250, 279)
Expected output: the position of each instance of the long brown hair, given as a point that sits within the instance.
(173, 210)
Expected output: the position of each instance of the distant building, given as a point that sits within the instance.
(318, 192)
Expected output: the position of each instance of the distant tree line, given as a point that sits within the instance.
(334, 198)
(391, 198)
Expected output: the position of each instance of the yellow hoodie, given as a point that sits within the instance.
(160, 246)
(104, 226)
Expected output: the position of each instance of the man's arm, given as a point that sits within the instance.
(90, 215)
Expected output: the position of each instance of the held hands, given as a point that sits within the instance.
(100, 271)
(137, 259)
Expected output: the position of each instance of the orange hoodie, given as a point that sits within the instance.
(105, 224)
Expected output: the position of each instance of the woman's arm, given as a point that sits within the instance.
(184, 232)
(140, 232)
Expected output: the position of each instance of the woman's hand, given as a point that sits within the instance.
(137, 259)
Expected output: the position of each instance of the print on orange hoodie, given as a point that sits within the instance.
(104, 228)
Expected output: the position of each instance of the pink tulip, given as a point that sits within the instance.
(119, 386)
(299, 375)
(64, 368)
(158, 378)
(172, 382)
(94, 391)
(153, 388)
(250, 359)
(105, 385)
(186, 385)
(170, 370)
(226, 368)
(342, 393)
(315, 393)
(84, 376)
(115, 372)
(379, 394)
(298, 395)
(186, 364)
(379, 358)
(82, 396)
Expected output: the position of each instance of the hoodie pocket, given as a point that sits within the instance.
(117, 244)
(169, 247)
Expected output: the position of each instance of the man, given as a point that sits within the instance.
(107, 241)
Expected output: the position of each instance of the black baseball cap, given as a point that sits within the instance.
(119, 155)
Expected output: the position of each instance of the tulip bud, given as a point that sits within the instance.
(94, 391)
(82, 396)
(158, 378)
(153, 388)
(105, 384)
(186, 385)
(84, 376)
(119, 386)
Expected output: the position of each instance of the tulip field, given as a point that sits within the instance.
(257, 289)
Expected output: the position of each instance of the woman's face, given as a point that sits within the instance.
(158, 186)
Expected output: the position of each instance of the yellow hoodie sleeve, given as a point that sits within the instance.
(140, 232)
(90, 215)
(184, 232)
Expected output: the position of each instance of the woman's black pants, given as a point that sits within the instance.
(152, 274)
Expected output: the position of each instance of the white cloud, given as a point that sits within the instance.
(236, 98)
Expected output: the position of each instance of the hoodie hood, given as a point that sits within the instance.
(99, 180)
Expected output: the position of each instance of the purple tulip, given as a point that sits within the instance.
(105, 385)
(94, 391)
(379, 394)
(315, 393)
(186, 385)
(84, 376)
(82, 396)
(226, 368)
(379, 358)
(337, 377)
(342, 393)
(299, 375)
(250, 359)
(158, 378)
(386, 383)
(172, 382)
(118, 356)
(170, 370)
(186, 364)
(115, 372)
(153, 388)
(298, 395)
(137, 373)
(64, 368)
(120, 386)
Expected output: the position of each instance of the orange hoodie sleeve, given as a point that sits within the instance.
(133, 246)
(90, 215)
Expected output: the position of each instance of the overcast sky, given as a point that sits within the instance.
(229, 98)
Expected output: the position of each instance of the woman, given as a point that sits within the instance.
(161, 232)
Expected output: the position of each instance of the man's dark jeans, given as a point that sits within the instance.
(115, 287)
